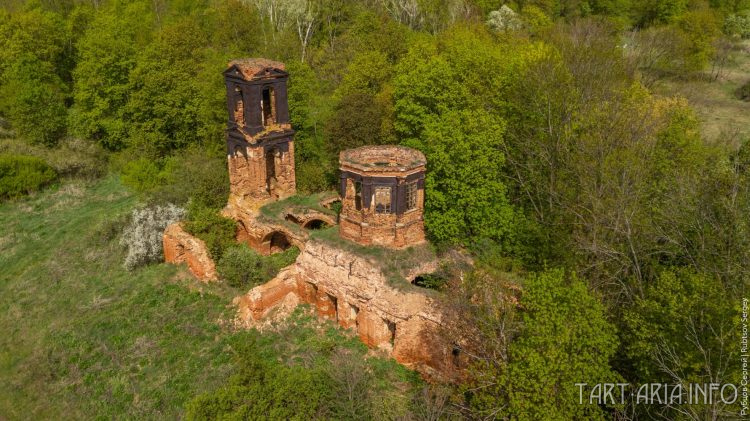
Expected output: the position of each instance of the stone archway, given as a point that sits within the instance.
(315, 224)
(277, 242)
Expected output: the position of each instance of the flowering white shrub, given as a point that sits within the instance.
(143, 236)
(504, 19)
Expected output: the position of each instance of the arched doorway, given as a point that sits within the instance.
(277, 242)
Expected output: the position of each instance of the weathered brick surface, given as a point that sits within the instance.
(248, 176)
(344, 287)
(391, 167)
(180, 246)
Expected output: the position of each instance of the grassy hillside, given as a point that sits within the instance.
(723, 116)
(81, 335)
(83, 338)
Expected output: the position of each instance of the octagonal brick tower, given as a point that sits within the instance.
(260, 139)
(382, 196)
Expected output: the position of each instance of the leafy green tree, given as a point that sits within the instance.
(33, 98)
(648, 12)
(107, 55)
(162, 107)
(701, 28)
(565, 339)
(466, 197)
(35, 63)
(442, 108)
(683, 330)
(34, 31)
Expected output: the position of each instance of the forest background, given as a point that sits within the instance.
(594, 152)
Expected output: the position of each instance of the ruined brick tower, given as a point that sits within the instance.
(382, 191)
(260, 140)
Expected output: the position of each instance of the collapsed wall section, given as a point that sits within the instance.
(180, 246)
(347, 289)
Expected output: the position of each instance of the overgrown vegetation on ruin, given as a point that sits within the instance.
(395, 264)
(598, 147)
(278, 212)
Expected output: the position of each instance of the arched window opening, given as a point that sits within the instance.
(392, 329)
(271, 169)
(456, 353)
(268, 106)
(353, 312)
(239, 107)
(358, 195)
(430, 281)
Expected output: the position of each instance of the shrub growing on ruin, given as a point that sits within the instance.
(240, 266)
(143, 236)
(214, 229)
(21, 175)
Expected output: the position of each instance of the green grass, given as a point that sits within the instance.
(723, 116)
(82, 338)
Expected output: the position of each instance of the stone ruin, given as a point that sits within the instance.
(382, 191)
(382, 202)
(260, 139)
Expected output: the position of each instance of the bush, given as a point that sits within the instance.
(264, 388)
(215, 230)
(504, 19)
(21, 175)
(198, 175)
(738, 25)
(143, 236)
(240, 266)
(743, 92)
(72, 157)
(143, 175)
(194, 174)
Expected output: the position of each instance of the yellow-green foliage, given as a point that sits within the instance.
(242, 267)
(700, 28)
(21, 175)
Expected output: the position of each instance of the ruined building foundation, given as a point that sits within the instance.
(343, 287)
